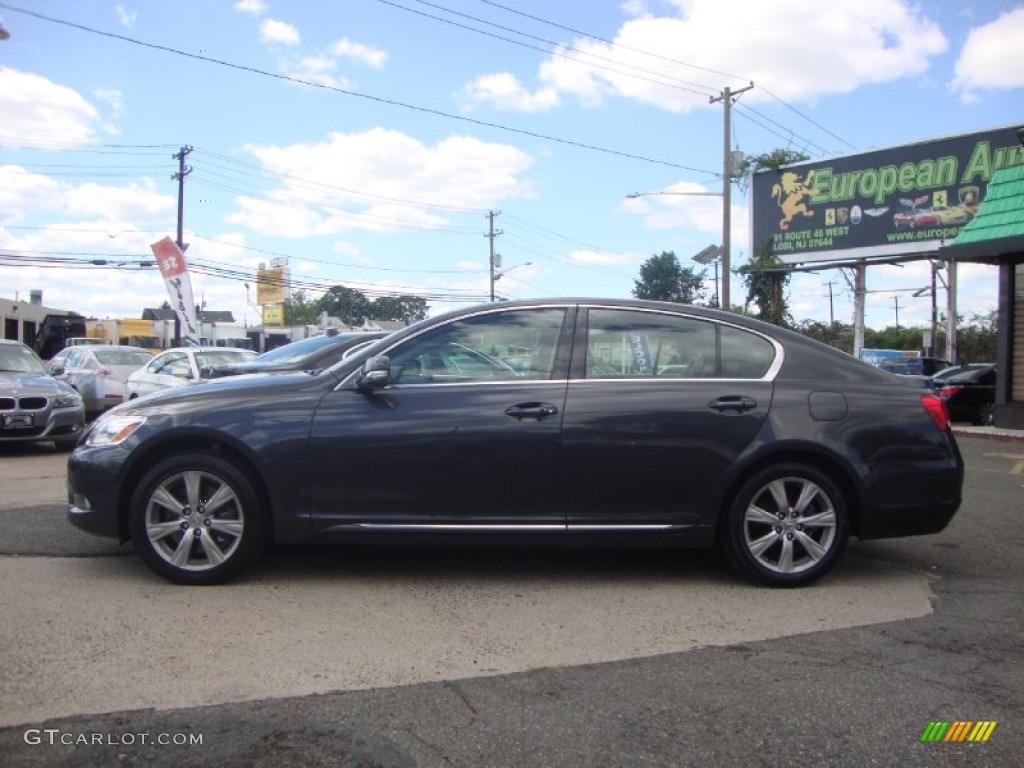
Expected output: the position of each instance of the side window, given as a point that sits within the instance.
(496, 346)
(745, 355)
(632, 344)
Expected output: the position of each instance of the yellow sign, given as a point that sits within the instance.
(270, 286)
(273, 314)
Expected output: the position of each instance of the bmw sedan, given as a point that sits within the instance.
(769, 446)
(34, 406)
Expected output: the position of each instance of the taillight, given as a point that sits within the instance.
(936, 408)
(948, 391)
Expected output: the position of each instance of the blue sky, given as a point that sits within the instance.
(418, 118)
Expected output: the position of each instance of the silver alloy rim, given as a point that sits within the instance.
(194, 520)
(789, 525)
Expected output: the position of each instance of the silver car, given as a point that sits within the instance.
(98, 373)
(34, 406)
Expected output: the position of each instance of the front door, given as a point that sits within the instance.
(467, 433)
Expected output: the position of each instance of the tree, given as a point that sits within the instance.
(976, 341)
(299, 309)
(347, 304)
(771, 160)
(766, 280)
(662, 278)
(405, 308)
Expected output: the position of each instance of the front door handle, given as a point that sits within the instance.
(536, 411)
(734, 403)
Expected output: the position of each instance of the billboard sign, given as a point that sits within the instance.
(889, 202)
(270, 285)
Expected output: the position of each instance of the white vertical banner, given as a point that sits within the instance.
(174, 269)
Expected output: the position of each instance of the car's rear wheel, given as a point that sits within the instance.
(786, 527)
(985, 415)
(197, 519)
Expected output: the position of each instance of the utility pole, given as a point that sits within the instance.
(896, 304)
(183, 171)
(726, 97)
(495, 258)
(831, 309)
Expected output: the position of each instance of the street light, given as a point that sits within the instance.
(726, 226)
(710, 255)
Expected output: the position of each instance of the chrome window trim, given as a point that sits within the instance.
(769, 375)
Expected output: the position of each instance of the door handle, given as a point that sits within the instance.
(736, 403)
(536, 411)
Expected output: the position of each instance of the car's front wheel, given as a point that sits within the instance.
(786, 527)
(197, 519)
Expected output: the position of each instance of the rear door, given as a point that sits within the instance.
(659, 406)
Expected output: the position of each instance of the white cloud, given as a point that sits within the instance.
(113, 98)
(503, 91)
(605, 258)
(992, 56)
(280, 32)
(315, 69)
(37, 110)
(127, 18)
(682, 205)
(402, 182)
(23, 192)
(795, 51)
(364, 54)
(255, 7)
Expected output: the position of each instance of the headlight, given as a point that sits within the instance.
(113, 430)
(69, 400)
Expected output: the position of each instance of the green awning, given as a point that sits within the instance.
(998, 229)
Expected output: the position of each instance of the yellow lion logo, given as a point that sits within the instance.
(795, 191)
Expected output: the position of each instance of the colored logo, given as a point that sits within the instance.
(958, 730)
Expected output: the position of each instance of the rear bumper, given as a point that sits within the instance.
(898, 508)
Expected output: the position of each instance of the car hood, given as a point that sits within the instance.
(31, 384)
(229, 388)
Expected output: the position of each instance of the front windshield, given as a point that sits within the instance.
(16, 358)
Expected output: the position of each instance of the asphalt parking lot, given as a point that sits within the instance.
(390, 656)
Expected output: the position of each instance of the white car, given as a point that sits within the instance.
(182, 366)
(98, 372)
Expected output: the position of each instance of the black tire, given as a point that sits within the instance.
(797, 548)
(985, 415)
(182, 539)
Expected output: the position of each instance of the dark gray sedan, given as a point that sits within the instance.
(607, 421)
(34, 406)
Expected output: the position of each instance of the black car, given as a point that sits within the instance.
(911, 365)
(312, 354)
(970, 395)
(605, 421)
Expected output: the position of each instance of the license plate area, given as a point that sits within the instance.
(18, 421)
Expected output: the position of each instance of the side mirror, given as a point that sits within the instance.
(56, 368)
(375, 374)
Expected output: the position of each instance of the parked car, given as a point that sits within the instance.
(938, 379)
(34, 406)
(181, 366)
(98, 373)
(911, 365)
(970, 395)
(312, 354)
(773, 447)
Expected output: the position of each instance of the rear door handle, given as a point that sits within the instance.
(735, 403)
(536, 411)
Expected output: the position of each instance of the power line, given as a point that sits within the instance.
(356, 94)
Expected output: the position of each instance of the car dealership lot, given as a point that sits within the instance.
(546, 646)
